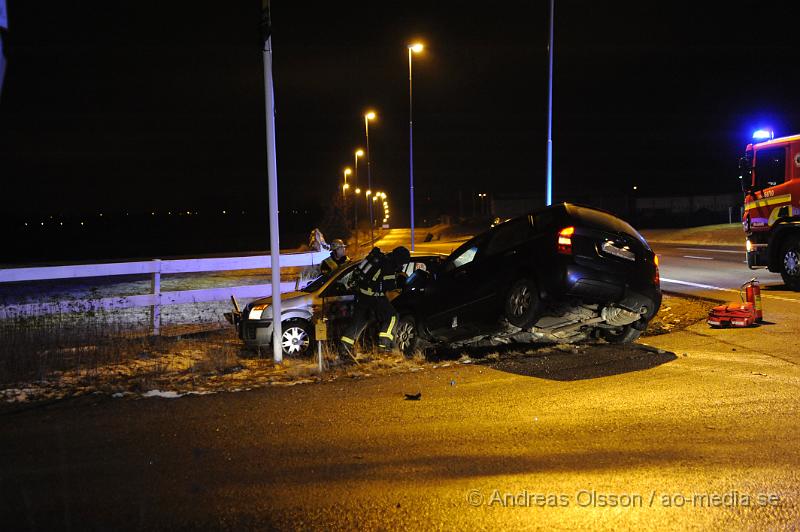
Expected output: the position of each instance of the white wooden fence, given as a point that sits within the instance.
(155, 268)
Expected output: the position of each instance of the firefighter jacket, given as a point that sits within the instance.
(376, 275)
(331, 263)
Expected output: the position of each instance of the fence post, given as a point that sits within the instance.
(155, 289)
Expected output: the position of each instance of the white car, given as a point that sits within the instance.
(327, 297)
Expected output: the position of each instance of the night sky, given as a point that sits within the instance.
(137, 106)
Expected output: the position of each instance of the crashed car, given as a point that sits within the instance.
(563, 274)
(328, 296)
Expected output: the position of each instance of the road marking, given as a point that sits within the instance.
(711, 287)
(696, 257)
(713, 250)
(698, 285)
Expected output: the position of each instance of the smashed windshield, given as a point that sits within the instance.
(320, 281)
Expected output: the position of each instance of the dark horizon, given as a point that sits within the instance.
(143, 107)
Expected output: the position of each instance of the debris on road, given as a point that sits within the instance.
(413, 397)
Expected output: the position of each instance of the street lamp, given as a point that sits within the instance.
(358, 153)
(412, 48)
(370, 115)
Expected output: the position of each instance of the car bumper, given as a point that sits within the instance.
(256, 333)
(631, 291)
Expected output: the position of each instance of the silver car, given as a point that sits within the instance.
(329, 297)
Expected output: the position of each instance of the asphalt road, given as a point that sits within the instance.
(697, 430)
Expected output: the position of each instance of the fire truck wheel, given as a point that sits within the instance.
(621, 335)
(790, 263)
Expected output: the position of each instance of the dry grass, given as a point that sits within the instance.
(31, 348)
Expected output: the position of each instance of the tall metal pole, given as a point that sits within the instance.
(369, 180)
(272, 172)
(410, 148)
(549, 192)
(355, 197)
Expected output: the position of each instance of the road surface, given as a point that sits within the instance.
(698, 430)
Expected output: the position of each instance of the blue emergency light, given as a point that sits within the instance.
(763, 134)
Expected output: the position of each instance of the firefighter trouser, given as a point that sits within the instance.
(368, 309)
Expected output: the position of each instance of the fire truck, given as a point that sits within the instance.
(770, 175)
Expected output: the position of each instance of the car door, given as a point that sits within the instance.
(450, 295)
(491, 276)
(337, 300)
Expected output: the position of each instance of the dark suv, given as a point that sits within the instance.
(562, 274)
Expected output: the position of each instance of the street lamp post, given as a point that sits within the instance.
(355, 212)
(347, 172)
(367, 117)
(549, 169)
(416, 48)
(358, 153)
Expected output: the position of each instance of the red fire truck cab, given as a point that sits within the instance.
(770, 174)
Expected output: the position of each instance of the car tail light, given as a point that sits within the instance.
(565, 240)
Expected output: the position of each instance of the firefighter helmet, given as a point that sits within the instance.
(401, 255)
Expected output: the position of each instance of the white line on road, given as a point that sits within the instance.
(696, 257)
(713, 250)
(711, 287)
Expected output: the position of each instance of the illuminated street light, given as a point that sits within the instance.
(358, 191)
(415, 48)
(370, 115)
(358, 153)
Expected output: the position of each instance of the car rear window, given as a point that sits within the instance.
(605, 221)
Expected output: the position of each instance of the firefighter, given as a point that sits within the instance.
(337, 258)
(374, 276)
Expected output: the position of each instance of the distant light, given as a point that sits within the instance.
(763, 134)
(346, 186)
(169, 213)
(635, 187)
(187, 212)
(370, 115)
(359, 153)
(81, 223)
(152, 214)
(358, 191)
(369, 192)
(61, 223)
(26, 224)
(101, 214)
(223, 212)
(416, 47)
(42, 223)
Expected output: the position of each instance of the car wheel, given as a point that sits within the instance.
(522, 304)
(790, 263)
(296, 337)
(621, 335)
(405, 336)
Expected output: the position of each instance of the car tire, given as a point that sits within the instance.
(406, 336)
(621, 335)
(522, 304)
(297, 337)
(790, 263)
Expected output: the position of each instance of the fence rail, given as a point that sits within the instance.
(155, 268)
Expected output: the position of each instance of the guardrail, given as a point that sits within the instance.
(155, 268)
